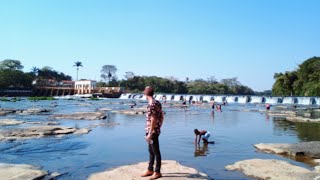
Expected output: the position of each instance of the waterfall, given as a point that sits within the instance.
(178, 97)
(159, 97)
(219, 99)
(231, 99)
(305, 100)
(287, 100)
(125, 96)
(207, 98)
(256, 99)
(272, 100)
(317, 101)
(242, 99)
(170, 97)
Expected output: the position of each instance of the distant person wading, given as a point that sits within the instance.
(153, 129)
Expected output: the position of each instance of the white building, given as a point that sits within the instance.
(85, 86)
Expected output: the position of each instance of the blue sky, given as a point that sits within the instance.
(248, 39)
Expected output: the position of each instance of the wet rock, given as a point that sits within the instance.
(105, 109)
(38, 132)
(20, 172)
(81, 116)
(4, 112)
(110, 124)
(171, 170)
(301, 119)
(282, 113)
(82, 131)
(272, 169)
(53, 123)
(35, 111)
(131, 111)
(307, 115)
(10, 122)
(309, 149)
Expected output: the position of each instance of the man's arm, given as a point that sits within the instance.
(152, 126)
(199, 139)
(195, 141)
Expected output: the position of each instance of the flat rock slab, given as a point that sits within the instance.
(131, 111)
(309, 149)
(20, 172)
(81, 116)
(272, 169)
(10, 122)
(35, 111)
(302, 119)
(4, 111)
(171, 170)
(38, 132)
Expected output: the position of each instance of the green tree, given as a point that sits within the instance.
(10, 64)
(129, 75)
(108, 72)
(302, 82)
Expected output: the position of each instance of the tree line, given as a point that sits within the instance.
(13, 76)
(304, 81)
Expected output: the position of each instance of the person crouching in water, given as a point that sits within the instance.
(205, 136)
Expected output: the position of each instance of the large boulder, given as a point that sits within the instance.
(81, 116)
(20, 172)
(38, 132)
(309, 149)
(273, 169)
(171, 170)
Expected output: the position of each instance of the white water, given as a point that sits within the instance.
(304, 100)
(242, 99)
(272, 100)
(218, 99)
(207, 98)
(229, 99)
(317, 100)
(256, 99)
(287, 100)
(178, 97)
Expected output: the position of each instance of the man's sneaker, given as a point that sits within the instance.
(155, 176)
(147, 173)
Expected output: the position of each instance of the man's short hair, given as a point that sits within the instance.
(149, 91)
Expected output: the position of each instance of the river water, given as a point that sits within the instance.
(77, 156)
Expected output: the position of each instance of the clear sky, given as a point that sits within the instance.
(248, 39)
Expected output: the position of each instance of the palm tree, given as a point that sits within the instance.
(78, 64)
(35, 71)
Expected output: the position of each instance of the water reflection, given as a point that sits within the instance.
(304, 131)
(201, 150)
(308, 131)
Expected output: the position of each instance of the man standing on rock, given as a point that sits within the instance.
(154, 122)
